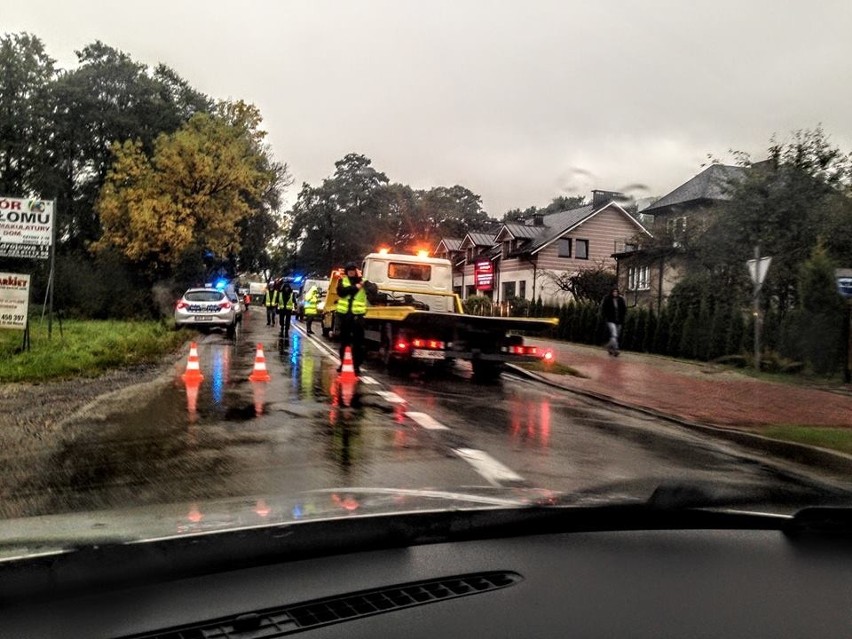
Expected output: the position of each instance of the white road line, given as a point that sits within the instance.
(493, 471)
(392, 397)
(368, 380)
(426, 421)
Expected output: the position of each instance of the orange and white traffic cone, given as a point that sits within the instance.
(193, 370)
(259, 374)
(347, 369)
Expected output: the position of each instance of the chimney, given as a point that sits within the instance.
(599, 198)
(538, 220)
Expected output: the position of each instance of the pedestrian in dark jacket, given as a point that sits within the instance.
(614, 310)
(286, 304)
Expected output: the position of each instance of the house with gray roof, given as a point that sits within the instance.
(647, 277)
(522, 255)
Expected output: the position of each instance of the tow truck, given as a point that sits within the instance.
(414, 315)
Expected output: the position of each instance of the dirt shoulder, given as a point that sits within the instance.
(31, 413)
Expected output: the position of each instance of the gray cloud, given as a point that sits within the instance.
(518, 101)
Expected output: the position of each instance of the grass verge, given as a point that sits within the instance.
(553, 367)
(84, 348)
(839, 439)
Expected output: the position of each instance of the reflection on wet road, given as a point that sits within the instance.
(307, 428)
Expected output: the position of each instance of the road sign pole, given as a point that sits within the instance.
(50, 278)
(847, 369)
(756, 310)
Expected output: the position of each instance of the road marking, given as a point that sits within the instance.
(392, 397)
(483, 463)
(368, 380)
(426, 421)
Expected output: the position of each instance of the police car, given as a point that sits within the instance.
(206, 308)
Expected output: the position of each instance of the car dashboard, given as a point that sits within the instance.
(693, 581)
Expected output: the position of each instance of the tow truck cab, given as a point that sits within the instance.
(413, 315)
(426, 283)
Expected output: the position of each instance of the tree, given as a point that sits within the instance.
(453, 211)
(357, 210)
(190, 196)
(781, 205)
(108, 98)
(823, 312)
(589, 284)
(339, 220)
(26, 72)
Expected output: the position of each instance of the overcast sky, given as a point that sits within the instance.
(519, 101)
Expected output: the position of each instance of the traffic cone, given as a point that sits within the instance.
(347, 369)
(192, 399)
(193, 370)
(259, 374)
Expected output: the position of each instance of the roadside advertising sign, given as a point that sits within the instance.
(26, 228)
(14, 300)
(483, 275)
(844, 282)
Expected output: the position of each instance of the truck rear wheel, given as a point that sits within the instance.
(486, 371)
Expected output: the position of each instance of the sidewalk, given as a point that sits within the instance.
(695, 391)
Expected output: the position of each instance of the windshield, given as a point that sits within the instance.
(203, 296)
(642, 214)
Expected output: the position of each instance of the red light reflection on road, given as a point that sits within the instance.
(261, 508)
(347, 503)
(194, 515)
(192, 400)
(529, 422)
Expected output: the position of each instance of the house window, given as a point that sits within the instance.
(471, 291)
(676, 226)
(508, 290)
(582, 247)
(522, 289)
(638, 278)
(564, 247)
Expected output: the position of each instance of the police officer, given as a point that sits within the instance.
(310, 309)
(351, 308)
(286, 304)
(271, 302)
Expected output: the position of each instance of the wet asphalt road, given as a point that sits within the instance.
(304, 430)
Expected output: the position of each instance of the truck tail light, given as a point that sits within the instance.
(433, 344)
(548, 356)
(400, 346)
(523, 350)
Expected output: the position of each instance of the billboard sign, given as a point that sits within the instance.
(844, 282)
(483, 275)
(14, 300)
(26, 228)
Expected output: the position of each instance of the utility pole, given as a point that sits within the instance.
(757, 269)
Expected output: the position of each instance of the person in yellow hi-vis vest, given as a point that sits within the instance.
(351, 308)
(310, 310)
(271, 303)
